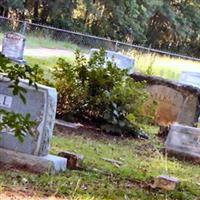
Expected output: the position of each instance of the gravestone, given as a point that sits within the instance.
(121, 61)
(184, 141)
(41, 104)
(190, 78)
(13, 47)
(175, 101)
(172, 106)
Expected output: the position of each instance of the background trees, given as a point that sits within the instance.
(165, 24)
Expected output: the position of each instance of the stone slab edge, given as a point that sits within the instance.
(182, 155)
(37, 164)
(169, 83)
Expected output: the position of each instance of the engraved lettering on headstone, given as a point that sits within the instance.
(5, 101)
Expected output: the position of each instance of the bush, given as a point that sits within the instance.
(96, 91)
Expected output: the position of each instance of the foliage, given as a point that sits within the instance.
(13, 72)
(97, 91)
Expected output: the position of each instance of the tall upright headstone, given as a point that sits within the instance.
(13, 47)
(41, 105)
(121, 61)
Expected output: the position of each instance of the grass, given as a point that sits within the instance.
(102, 180)
(47, 42)
(45, 63)
(164, 66)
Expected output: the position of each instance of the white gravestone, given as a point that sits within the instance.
(13, 47)
(121, 61)
(190, 78)
(184, 141)
(41, 103)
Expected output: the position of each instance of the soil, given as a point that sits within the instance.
(19, 194)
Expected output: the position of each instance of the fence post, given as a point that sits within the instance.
(24, 28)
(116, 45)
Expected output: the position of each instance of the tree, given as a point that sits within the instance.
(166, 24)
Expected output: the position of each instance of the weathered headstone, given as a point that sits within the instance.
(190, 78)
(13, 47)
(175, 101)
(184, 141)
(122, 61)
(173, 106)
(41, 104)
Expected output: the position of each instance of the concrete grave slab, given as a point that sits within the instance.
(37, 164)
(41, 104)
(122, 61)
(184, 141)
(13, 47)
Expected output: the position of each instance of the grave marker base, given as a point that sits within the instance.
(37, 164)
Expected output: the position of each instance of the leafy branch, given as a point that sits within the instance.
(15, 122)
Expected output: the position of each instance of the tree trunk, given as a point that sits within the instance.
(36, 12)
(1, 10)
(45, 11)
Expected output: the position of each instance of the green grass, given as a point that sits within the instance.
(164, 66)
(45, 63)
(102, 180)
(47, 42)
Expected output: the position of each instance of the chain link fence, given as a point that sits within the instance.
(41, 36)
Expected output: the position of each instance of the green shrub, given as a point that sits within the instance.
(96, 91)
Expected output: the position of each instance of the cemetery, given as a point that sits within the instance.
(94, 127)
(79, 149)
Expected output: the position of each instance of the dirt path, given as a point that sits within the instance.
(18, 194)
(46, 52)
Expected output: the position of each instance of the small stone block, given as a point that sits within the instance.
(37, 164)
(74, 160)
(59, 163)
(166, 183)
